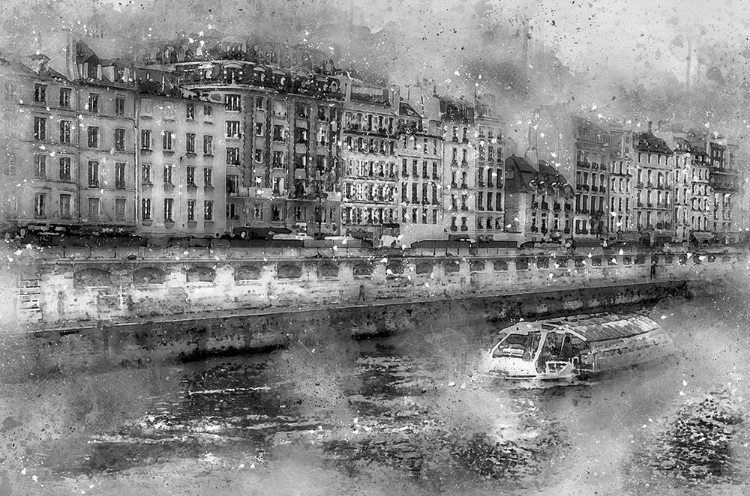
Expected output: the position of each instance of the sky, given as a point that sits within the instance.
(595, 50)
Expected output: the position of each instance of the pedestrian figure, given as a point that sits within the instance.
(653, 270)
(361, 293)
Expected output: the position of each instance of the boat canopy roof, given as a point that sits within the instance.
(599, 327)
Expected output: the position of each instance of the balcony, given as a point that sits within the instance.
(566, 230)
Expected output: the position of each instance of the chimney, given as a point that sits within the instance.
(649, 126)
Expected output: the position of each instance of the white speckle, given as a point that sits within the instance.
(682, 394)
(684, 383)
(23, 472)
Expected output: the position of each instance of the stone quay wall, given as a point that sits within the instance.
(57, 286)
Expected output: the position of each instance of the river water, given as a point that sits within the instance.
(406, 414)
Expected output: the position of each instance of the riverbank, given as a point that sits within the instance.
(71, 346)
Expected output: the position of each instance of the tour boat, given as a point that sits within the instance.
(578, 347)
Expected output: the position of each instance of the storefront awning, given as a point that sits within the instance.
(702, 236)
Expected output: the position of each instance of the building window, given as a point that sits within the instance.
(40, 166)
(146, 173)
(168, 173)
(146, 142)
(258, 129)
(93, 132)
(40, 205)
(119, 175)
(119, 139)
(146, 209)
(147, 107)
(65, 206)
(190, 111)
(278, 133)
(93, 173)
(65, 97)
(64, 168)
(208, 210)
(233, 156)
(190, 143)
(40, 128)
(233, 129)
(278, 159)
(120, 208)
(207, 110)
(233, 184)
(233, 102)
(259, 104)
(10, 165)
(258, 211)
(258, 157)
(190, 172)
(191, 210)
(93, 105)
(207, 177)
(208, 145)
(65, 128)
(40, 93)
(94, 205)
(168, 207)
(120, 105)
(168, 141)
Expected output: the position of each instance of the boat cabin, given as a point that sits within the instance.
(568, 347)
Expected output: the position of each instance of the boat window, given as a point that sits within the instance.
(518, 346)
(576, 347)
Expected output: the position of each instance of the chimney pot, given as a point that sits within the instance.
(649, 126)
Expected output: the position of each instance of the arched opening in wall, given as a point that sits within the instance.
(697, 259)
(200, 274)
(477, 266)
(451, 266)
(542, 263)
(596, 261)
(500, 265)
(149, 275)
(424, 267)
(683, 259)
(328, 270)
(288, 270)
(726, 259)
(87, 278)
(612, 260)
(579, 262)
(668, 259)
(522, 263)
(394, 267)
(249, 272)
(561, 262)
(362, 269)
(640, 259)
(711, 258)
(654, 258)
